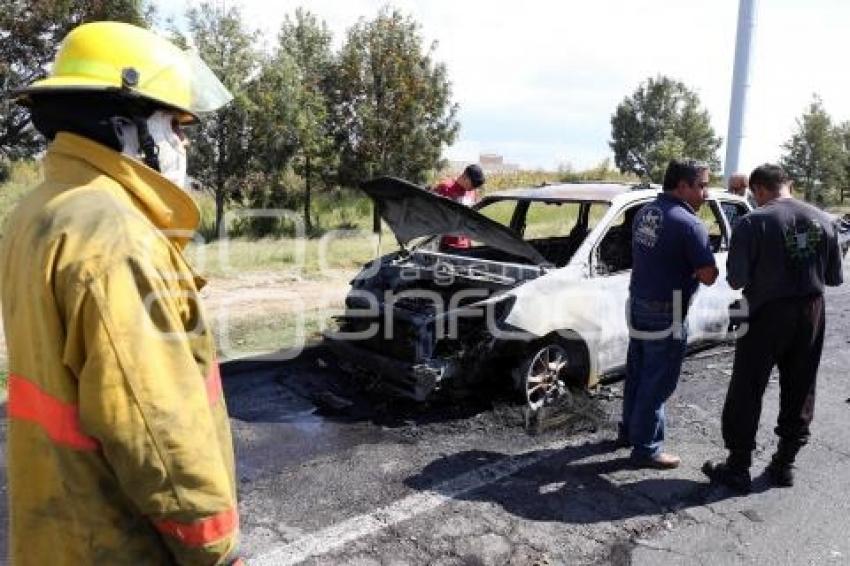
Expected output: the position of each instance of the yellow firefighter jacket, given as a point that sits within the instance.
(119, 445)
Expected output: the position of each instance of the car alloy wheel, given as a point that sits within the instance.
(542, 375)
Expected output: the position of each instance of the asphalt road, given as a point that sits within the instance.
(372, 483)
(332, 474)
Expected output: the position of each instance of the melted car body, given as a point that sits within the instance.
(542, 291)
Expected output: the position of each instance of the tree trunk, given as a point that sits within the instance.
(308, 226)
(376, 220)
(220, 188)
(219, 211)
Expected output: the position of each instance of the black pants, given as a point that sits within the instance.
(787, 333)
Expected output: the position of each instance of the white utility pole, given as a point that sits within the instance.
(740, 85)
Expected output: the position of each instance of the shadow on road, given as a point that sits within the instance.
(561, 487)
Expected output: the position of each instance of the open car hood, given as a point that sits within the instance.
(413, 212)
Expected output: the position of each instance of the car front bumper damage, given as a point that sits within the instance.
(414, 380)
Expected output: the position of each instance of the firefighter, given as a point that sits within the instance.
(119, 444)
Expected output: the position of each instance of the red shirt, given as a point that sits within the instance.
(452, 189)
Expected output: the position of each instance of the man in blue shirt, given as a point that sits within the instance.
(671, 257)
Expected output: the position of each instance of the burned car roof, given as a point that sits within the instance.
(597, 192)
(414, 212)
(591, 192)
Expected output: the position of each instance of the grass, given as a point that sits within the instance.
(839, 209)
(332, 209)
(280, 331)
(544, 220)
(342, 249)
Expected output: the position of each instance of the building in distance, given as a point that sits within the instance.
(489, 162)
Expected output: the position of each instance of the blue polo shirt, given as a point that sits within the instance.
(669, 243)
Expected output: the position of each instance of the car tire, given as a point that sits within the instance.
(540, 383)
(539, 376)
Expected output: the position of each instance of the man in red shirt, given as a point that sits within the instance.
(461, 190)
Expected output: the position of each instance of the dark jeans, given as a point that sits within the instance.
(787, 333)
(654, 360)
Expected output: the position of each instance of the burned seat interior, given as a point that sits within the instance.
(555, 228)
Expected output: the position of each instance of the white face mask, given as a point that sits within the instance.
(171, 146)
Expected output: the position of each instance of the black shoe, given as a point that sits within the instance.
(622, 437)
(735, 478)
(781, 475)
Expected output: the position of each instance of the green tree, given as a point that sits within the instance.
(663, 119)
(272, 141)
(844, 138)
(222, 145)
(30, 33)
(814, 156)
(273, 96)
(391, 102)
(305, 52)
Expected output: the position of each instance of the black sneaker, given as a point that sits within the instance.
(781, 475)
(736, 478)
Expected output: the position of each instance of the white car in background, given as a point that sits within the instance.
(542, 291)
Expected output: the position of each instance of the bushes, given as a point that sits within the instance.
(22, 177)
(334, 209)
(337, 208)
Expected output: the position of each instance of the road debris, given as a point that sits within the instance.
(712, 353)
(574, 411)
(752, 515)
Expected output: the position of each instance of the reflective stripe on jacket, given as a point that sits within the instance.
(119, 445)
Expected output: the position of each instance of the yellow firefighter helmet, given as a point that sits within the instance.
(129, 60)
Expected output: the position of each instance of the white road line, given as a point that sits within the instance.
(350, 530)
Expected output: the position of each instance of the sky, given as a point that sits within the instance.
(538, 80)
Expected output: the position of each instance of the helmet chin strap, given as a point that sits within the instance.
(147, 145)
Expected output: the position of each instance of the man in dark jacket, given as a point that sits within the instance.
(782, 255)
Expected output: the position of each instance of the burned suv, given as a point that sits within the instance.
(539, 295)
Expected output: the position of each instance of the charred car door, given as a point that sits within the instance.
(708, 316)
(609, 275)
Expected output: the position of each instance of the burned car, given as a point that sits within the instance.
(541, 292)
